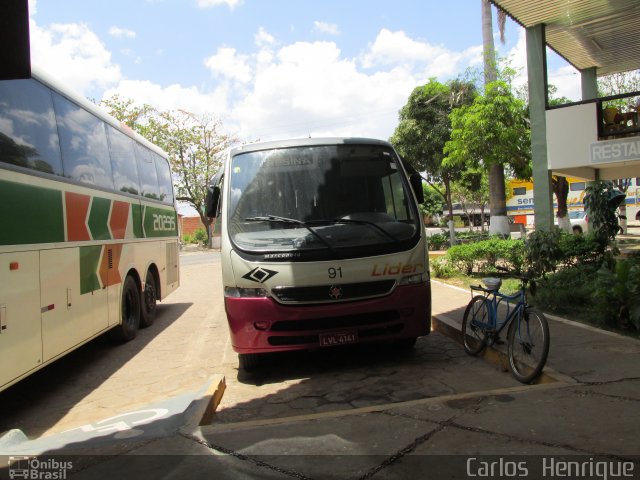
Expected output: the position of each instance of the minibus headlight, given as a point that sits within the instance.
(414, 279)
(236, 292)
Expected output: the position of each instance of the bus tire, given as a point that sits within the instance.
(130, 311)
(406, 343)
(148, 299)
(248, 361)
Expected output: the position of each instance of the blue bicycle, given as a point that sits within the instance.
(488, 313)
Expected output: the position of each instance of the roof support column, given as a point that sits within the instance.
(537, 76)
(589, 83)
(15, 57)
(589, 87)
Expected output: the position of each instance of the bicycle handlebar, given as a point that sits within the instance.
(524, 278)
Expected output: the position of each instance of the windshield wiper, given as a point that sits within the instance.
(361, 222)
(293, 221)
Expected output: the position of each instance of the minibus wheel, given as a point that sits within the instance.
(248, 361)
(406, 343)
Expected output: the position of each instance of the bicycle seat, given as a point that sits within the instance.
(492, 283)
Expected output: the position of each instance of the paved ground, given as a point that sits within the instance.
(177, 355)
(326, 417)
(188, 345)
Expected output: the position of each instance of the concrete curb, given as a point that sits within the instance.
(203, 408)
(319, 416)
(12, 438)
(449, 327)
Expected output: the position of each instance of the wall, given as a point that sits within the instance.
(188, 225)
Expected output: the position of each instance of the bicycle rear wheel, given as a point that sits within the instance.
(475, 324)
(528, 345)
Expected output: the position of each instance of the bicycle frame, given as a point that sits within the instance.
(495, 299)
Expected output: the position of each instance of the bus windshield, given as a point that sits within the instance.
(326, 197)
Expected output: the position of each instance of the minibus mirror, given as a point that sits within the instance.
(416, 183)
(213, 196)
(212, 200)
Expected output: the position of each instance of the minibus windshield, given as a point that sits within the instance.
(326, 197)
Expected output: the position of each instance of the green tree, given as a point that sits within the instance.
(137, 117)
(601, 200)
(433, 202)
(194, 144)
(494, 130)
(560, 187)
(619, 83)
(424, 129)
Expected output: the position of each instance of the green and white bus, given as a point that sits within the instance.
(89, 238)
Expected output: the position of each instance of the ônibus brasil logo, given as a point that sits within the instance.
(38, 469)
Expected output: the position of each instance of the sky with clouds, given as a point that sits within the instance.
(270, 69)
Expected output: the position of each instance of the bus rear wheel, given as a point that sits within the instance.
(148, 301)
(130, 311)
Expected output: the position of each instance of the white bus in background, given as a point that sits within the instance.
(89, 239)
(322, 244)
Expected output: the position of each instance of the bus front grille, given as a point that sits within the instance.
(333, 293)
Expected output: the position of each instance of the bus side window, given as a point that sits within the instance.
(28, 135)
(83, 142)
(125, 170)
(147, 171)
(164, 179)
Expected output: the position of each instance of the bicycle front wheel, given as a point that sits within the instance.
(475, 324)
(528, 345)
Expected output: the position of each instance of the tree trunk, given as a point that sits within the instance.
(498, 223)
(622, 219)
(206, 221)
(447, 193)
(561, 190)
(489, 51)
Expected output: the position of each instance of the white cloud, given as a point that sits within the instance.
(309, 89)
(214, 3)
(568, 82)
(324, 27)
(262, 38)
(118, 32)
(228, 64)
(172, 97)
(74, 54)
(397, 48)
(272, 91)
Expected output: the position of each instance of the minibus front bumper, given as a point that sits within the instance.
(261, 325)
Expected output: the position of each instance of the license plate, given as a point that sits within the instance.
(338, 338)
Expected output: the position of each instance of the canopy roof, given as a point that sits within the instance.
(587, 33)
